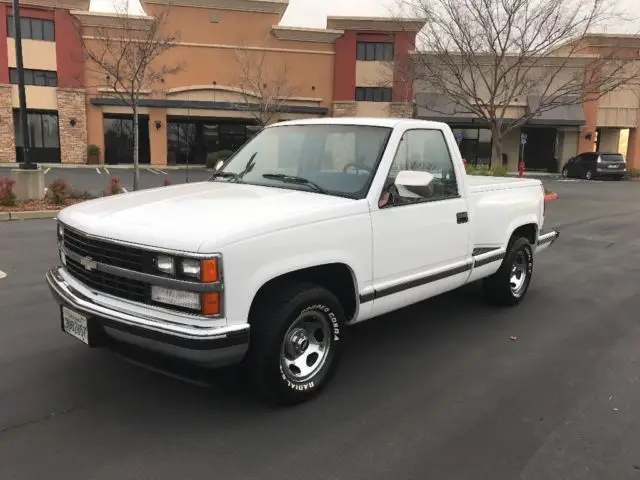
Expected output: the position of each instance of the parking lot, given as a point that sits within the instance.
(447, 389)
(96, 180)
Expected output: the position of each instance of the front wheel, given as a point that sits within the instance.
(588, 175)
(297, 333)
(509, 285)
(565, 173)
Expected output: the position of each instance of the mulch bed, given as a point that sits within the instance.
(39, 205)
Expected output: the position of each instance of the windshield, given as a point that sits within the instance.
(329, 159)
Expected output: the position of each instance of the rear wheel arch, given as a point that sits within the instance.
(337, 277)
(528, 231)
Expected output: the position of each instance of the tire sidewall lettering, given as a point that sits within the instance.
(336, 335)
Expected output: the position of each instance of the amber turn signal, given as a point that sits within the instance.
(209, 270)
(210, 303)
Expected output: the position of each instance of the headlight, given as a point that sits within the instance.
(191, 267)
(165, 264)
(205, 269)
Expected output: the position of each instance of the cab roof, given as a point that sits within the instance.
(364, 121)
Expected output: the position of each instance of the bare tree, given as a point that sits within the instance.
(124, 59)
(265, 86)
(485, 56)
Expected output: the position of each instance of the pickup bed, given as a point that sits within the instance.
(310, 227)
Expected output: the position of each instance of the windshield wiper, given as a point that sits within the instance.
(231, 175)
(296, 180)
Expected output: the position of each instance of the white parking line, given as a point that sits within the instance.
(2, 275)
(106, 170)
(153, 171)
(47, 170)
(125, 190)
(162, 171)
(98, 170)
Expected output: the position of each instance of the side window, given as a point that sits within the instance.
(424, 151)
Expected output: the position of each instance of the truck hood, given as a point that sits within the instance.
(183, 217)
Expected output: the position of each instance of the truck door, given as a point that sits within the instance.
(420, 244)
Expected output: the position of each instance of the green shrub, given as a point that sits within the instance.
(114, 187)
(213, 160)
(486, 170)
(93, 150)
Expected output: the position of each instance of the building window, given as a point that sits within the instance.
(33, 29)
(373, 94)
(44, 136)
(475, 144)
(41, 78)
(119, 139)
(374, 51)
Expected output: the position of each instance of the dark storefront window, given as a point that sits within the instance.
(474, 145)
(192, 141)
(119, 140)
(44, 137)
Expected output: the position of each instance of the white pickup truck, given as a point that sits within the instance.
(310, 227)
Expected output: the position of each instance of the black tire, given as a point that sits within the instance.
(565, 173)
(497, 288)
(588, 175)
(271, 320)
(618, 178)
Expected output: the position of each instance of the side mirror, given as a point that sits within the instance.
(414, 184)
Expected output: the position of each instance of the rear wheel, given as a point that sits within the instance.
(509, 285)
(296, 341)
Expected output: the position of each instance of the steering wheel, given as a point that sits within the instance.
(357, 166)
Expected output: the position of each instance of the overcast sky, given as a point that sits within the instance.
(313, 13)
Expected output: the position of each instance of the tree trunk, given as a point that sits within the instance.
(496, 147)
(136, 149)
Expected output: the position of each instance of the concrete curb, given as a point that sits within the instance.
(84, 166)
(550, 196)
(32, 215)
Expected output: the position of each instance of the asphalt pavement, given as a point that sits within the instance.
(439, 390)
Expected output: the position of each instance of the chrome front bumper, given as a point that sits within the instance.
(208, 346)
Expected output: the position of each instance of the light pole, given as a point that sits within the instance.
(24, 126)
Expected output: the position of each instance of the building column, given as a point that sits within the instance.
(633, 149)
(590, 108)
(7, 130)
(72, 125)
(158, 136)
(344, 109)
(401, 110)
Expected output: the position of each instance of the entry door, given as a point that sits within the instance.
(421, 243)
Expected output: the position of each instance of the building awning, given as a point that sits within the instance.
(562, 115)
(205, 105)
(440, 108)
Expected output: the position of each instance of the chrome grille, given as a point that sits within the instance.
(108, 253)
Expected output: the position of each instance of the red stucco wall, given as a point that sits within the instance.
(69, 51)
(344, 76)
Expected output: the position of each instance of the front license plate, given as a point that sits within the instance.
(613, 166)
(75, 324)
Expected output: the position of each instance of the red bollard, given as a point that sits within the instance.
(520, 168)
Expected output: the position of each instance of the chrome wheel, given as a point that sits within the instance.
(306, 346)
(565, 173)
(519, 274)
(588, 175)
